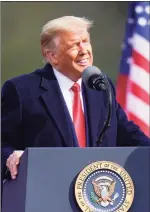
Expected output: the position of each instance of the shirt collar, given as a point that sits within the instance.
(64, 82)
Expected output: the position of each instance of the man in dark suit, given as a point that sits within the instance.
(51, 107)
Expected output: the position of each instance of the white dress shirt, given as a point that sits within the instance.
(65, 85)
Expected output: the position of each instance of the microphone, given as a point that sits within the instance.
(93, 78)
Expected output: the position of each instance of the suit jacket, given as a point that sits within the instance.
(34, 114)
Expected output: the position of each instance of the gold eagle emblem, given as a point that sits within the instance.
(104, 187)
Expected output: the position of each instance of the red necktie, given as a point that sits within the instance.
(78, 116)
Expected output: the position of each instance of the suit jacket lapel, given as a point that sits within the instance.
(96, 105)
(55, 104)
(94, 101)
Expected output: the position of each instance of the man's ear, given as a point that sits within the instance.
(51, 57)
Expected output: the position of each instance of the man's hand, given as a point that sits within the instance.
(13, 162)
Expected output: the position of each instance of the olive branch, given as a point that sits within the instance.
(93, 197)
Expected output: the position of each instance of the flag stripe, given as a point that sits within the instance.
(140, 77)
(137, 91)
(137, 107)
(141, 61)
(121, 89)
(141, 45)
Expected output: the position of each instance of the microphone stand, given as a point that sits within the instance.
(105, 85)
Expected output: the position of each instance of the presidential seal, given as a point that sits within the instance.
(104, 186)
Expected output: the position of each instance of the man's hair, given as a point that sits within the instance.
(63, 24)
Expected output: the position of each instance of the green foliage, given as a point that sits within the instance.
(93, 197)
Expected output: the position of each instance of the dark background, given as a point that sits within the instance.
(21, 24)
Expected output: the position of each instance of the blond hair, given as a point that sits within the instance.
(66, 23)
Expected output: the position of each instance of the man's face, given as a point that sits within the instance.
(73, 54)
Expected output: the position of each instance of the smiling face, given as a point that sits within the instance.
(73, 53)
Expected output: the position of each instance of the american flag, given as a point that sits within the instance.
(133, 84)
